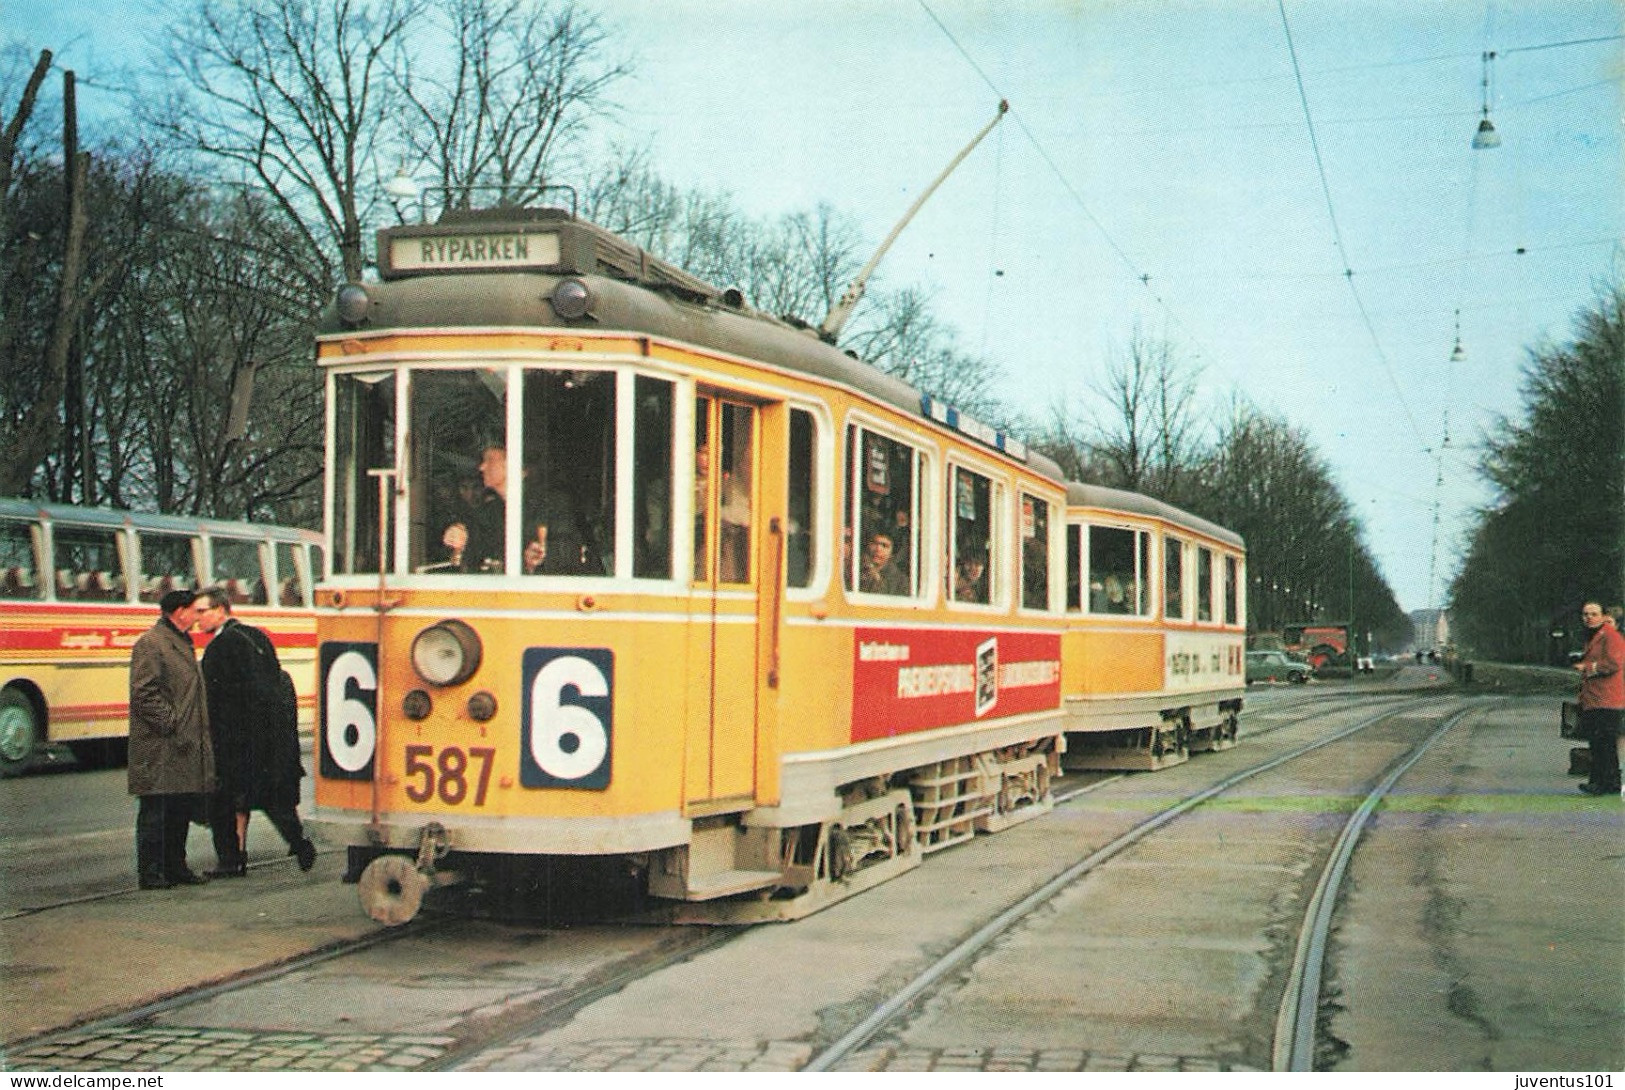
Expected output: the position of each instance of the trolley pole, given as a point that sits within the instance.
(842, 310)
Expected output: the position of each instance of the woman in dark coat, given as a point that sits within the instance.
(257, 755)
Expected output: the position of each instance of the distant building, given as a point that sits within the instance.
(1430, 628)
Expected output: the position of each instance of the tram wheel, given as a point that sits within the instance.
(19, 732)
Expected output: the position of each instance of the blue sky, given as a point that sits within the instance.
(1168, 140)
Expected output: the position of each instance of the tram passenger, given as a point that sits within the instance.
(970, 576)
(257, 747)
(880, 575)
(1602, 699)
(171, 758)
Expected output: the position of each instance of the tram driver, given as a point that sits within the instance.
(476, 541)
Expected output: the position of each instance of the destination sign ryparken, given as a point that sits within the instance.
(494, 250)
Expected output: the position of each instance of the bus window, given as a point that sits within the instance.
(800, 545)
(363, 439)
(290, 581)
(651, 483)
(237, 571)
(883, 490)
(971, 542)
(19, 570)
(1204, 583)
(88, 565)
(167, 564)
(1034, 553)
(1232, 585)
(567, 501)
(1173, 591)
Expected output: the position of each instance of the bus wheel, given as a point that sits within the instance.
(19, 732)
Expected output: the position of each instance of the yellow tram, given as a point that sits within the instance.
(621, 568)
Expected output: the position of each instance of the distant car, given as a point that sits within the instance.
(1276, 666)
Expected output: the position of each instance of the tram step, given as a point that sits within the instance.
(707, 887)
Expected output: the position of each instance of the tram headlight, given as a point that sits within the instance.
(446, 653)
(353, 303)
(572, 298)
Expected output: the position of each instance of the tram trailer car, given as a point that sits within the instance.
(728, 605)
(1154, 657)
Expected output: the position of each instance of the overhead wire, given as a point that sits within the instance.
(1337, 231)
(1143, 276)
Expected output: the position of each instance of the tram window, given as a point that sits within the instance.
(88, 564)
(19, 570)
(883, 490)
(1204, 583)
(1074, 567)
(237, 571)
(167, 564)
(1232, 584)
(363, 439)
(972, 538)
(702, 487)
(800, 545)
(734, 491)
(290, 581)
(651, 484)
(1034, 553)
(1117, 570)
(459, 476)
(568, 496)
(1173, 564)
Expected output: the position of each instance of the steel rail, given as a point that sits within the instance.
(1294, 1048)
(885, 1013)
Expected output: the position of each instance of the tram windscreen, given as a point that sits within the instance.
(459, 474)
(568, 498)
(363, 440)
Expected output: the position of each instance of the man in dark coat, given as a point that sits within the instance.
(259, 757)
(171, 763)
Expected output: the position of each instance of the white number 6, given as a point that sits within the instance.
(352, 734)
(553, 721)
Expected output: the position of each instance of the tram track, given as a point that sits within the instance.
(478, 1033)
(893, 1010)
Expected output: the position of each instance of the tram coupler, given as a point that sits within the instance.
(391, 887)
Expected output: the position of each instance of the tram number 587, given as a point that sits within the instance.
(447, 775)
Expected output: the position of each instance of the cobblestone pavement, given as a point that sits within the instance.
(688, 1054)
(163, 1048)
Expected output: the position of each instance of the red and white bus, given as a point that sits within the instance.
(78, 586)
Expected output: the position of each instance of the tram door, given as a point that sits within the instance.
(722, 652)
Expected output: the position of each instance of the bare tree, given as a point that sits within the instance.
(1148, 432)
(297, 94)
(517, 88)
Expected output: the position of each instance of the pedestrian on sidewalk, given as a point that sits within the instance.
(1602, 698)
(260, 766)
(171, 762)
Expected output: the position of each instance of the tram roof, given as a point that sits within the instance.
(1117, 499)
(633, 291)
(13, 508)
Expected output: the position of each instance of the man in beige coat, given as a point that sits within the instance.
(171, 760)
